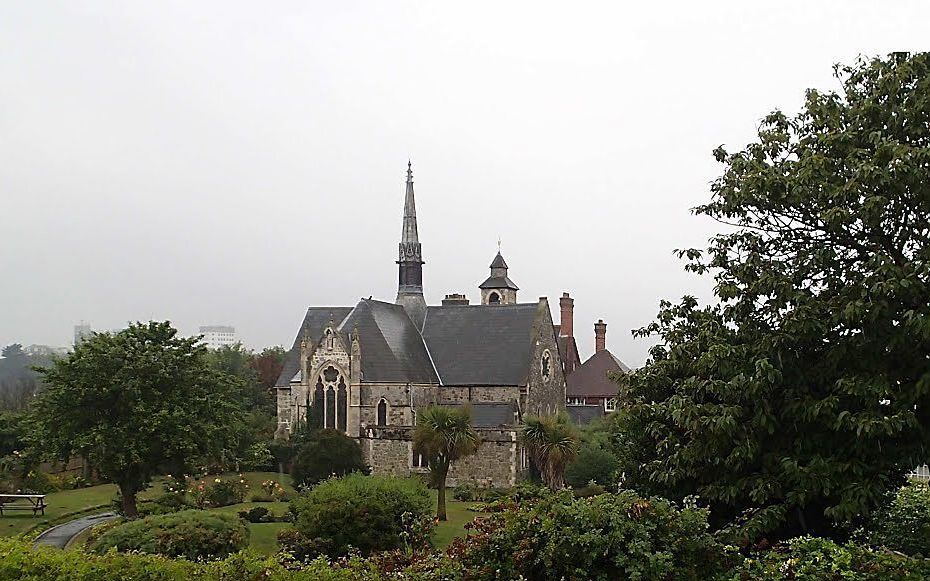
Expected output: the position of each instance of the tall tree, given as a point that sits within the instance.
(803, 395)
(552, 443)
(444, 435)
(132, 402)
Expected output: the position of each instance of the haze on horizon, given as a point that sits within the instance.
(233, 163)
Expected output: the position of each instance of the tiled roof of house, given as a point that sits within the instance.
(591, 378)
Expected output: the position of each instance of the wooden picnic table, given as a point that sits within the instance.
(33, 502)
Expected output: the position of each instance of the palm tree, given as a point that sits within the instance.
(443, 436)
(552, 443)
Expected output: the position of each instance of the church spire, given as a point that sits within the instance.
(410, 259)
(408, 234)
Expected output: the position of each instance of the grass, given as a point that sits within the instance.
(60, 506)
(70, 503)
(458, 514)
(64, 505)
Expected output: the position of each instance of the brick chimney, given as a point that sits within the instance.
(600, 336)
(567, 317)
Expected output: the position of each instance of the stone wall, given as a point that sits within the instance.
(545, 395)
(389, 450)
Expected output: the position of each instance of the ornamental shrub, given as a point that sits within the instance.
(593, 464)
(192, 534)
(19, 561)
(325, 453)
(812, 558)
(367, 513)
(903, 522)
(605, 537)
(226, 491)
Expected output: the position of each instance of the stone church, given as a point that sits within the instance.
(372, 366)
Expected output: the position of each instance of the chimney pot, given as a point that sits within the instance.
(600, 336)
(567, 315)
(454, 299)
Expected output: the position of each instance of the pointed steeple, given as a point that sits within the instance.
(408, 234)
(410, 259)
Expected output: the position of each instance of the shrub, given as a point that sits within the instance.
(816, 558)
(593, 464)
(224, 492)
(256, 514)
(903, 522)
(191, 534)
(38, 482)
(362, 512)
(326, 453)
(20, 561)
(589, 491)
(609, 536)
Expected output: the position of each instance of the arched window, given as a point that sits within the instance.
(382, 413)
(341, 407)
(330, 407)
(494, 299)
(331, 399)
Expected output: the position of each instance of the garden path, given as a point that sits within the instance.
(59, 535)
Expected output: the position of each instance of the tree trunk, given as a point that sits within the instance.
(129, 503)
(441, 504)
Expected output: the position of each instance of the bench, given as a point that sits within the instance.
(33, 502)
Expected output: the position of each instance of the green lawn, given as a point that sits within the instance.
(67, 502)
(458, 514)
(263, 535)
(59, 504)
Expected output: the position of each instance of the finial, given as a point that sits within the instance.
(498, 244)
(409, 172)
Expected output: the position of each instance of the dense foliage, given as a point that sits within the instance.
(365, 513)
(552, 443)
(607, 537)
(191, 534)
(134, 402)
(444, 435)
(19, 382)
(803, 396)
(903, 522)
(596, 460)
(816, 559)
(252, 377)
(325, 453)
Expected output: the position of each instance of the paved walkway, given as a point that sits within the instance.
(58, 536)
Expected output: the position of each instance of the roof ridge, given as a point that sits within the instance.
(426, 346)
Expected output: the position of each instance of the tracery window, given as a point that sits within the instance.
(331, 398)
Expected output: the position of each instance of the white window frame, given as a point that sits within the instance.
(610, 404)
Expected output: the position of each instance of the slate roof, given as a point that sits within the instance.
(392, 348)
(584, 414)
(499, 282)
(491, 415)
(499, 261)
(313, 323)
(590, 380)
(480, 344)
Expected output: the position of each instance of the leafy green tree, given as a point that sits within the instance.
(803, 395)
(133, 401)
(324, 453)
(444, 435)
(552, 443)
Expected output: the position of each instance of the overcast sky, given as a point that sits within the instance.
(233, 163)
